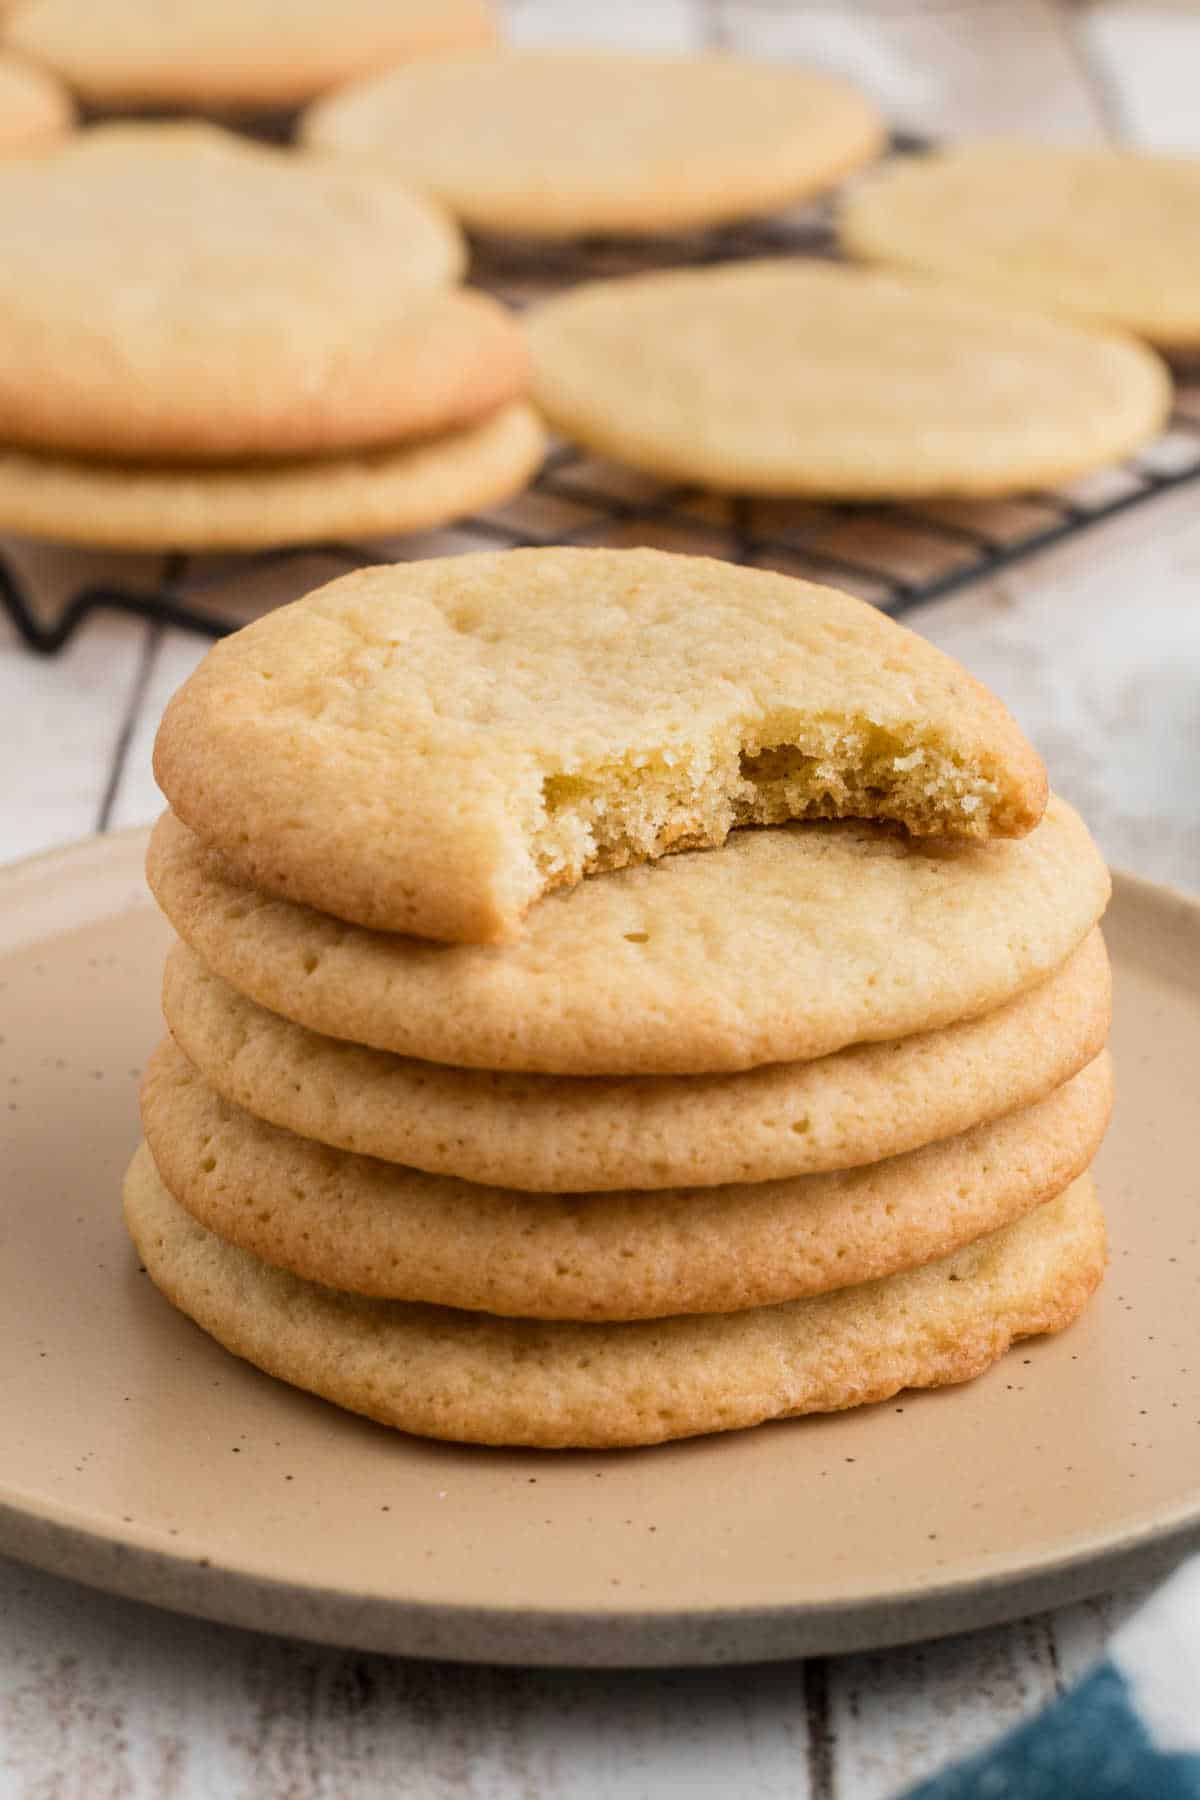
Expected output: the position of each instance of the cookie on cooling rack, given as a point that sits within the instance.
(34, 106)
(262, 505)
(428, 747)
(476, 1378)
(240, 54)
(1110, 235)
(284, 304)
(292, 363)
(638, 143)
(805, 378)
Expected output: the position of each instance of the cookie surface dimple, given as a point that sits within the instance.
(641, 143)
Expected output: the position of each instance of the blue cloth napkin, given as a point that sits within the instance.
(1129, 1731)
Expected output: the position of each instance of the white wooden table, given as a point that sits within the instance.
(1097, 649)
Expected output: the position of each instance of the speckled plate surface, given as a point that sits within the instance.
(137, 1456)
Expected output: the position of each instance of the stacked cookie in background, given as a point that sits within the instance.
(209, 344)
(485, 1116)
(224, 56)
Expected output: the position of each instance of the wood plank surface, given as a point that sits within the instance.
(1097, 649)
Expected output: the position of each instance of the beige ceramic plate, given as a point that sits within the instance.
(138, 1456)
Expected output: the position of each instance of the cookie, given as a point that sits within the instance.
(33, 105)
(475, 1379)
(640, 143)
(430, 746)
(235, 54)
(784, 945)
(1104, 234)
(552, 1133)
(255, 506)
(805, 378)
(372, 1227)
(173, 292)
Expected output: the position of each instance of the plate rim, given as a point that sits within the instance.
(619, 1637)
(48, 1536)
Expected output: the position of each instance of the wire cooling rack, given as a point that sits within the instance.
(897, 556)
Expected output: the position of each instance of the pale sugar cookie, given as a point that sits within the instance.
(254, 506)
(784, 945)
(376, 1228)
(1106, 234)
(807, 378)
(552, 143)
(174, 292)
(429, 747)
(553, 1133)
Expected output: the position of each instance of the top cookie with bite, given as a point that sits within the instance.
(430, 747)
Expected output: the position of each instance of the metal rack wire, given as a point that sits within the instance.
(897, 556)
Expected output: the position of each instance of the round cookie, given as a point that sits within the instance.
(805, 378)
(782, 946)
(554, 1134)
(430, 746)
(174, 292)
(255, 506)
(235, 54)
(1105, 234)
(641, 143)
(474, 1379)
(370, 1227)
(33, 105)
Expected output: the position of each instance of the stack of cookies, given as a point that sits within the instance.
(209, 344)
(619, 996)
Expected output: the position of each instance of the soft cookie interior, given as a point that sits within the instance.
(604, 815)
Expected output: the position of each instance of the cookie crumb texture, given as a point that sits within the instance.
(605, 815)
(429, 748)
(474, 1379)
